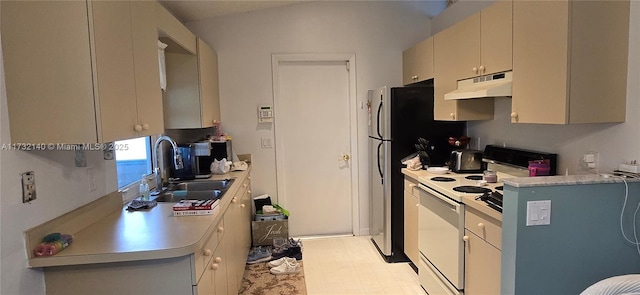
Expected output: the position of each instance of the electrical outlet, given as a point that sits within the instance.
(28, 186)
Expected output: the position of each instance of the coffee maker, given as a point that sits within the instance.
(207, 152)
(188, 171)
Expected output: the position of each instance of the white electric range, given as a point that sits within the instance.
(441, 215)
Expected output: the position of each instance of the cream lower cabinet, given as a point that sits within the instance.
(411, 201)
(417, 62)
(482, 253)
(570, 61)
(84, 70)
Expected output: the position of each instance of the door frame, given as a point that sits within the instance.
(350, 59)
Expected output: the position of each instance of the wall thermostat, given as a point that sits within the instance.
(265, 114)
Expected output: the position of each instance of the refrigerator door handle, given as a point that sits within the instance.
(378, 120)
(380, 168)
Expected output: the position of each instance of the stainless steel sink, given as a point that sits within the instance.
(176, 196)
(202, 185)
(195, 190)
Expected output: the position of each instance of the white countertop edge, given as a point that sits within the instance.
(564, 180)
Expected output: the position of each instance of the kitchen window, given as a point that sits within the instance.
(133, 159)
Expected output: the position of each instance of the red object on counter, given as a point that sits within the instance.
(52, 247)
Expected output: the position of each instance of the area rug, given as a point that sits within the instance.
(258, 280)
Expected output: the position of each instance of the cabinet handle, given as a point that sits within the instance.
(207, 252)
(417, 205)
(452, 115)
(145, 126)
(465, 238)
(214, 121)
(481, 225)
(411, 185)
(514, 116)
(244, 185)
(475, 70)
(214, 266)
(242, 205)
(137, 127)
(220, 229)
(249, 191)
(481, 69)
(234, 200)
(249, 177)
(218, 260)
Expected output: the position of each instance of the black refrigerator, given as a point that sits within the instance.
(398, 116)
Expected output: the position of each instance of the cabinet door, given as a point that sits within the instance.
(47, 68)
(482, 266)
(540, 65)
(230, 241)
(209, 94)
(114, 70)
(411, 225)
(456, 54)
(496, 40)
(417, 62)
(147, 77)
(214, 279)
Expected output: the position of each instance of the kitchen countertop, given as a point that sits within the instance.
(564, 180)
(467, 200)
(142, 235)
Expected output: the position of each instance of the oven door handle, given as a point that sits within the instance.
(428, 190)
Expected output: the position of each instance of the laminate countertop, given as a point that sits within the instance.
(142, 235)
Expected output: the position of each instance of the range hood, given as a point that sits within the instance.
(493, 85)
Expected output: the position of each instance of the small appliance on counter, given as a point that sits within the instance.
(466, 161)
(208, 151)
(188, 171)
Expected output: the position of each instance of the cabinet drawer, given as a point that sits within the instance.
(411, 186)
(205, 253)
(484, 226)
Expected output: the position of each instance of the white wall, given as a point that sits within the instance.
(60, 187)
(616, 143)
(376, 31)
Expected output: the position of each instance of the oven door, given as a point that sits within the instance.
(441, 227)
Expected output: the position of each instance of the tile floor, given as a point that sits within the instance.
(352, 265)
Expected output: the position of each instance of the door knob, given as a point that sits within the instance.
(345, 158)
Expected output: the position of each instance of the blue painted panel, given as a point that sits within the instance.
(582, 245)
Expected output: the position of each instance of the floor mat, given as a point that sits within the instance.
(257, 280)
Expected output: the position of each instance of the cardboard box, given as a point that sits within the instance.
(263, 232)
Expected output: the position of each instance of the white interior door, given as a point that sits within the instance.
(313, 145)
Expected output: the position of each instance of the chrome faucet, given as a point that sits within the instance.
(177, 159)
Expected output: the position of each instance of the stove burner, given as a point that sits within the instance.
(500, 188)
(443, 179)
(471, 189)
(474, 177)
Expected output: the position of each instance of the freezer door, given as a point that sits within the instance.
(380, 113)
(380, 195)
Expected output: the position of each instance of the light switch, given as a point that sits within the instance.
(538, 212)
(266, 143)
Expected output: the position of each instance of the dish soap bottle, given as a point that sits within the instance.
(144, 188)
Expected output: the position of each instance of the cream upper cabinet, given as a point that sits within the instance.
(192, 99)
(72, 70)
(417, 62)
(126, 69)
(171, 27)
(478, 45)
(569, 61)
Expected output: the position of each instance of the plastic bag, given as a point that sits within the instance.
(220, 167)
